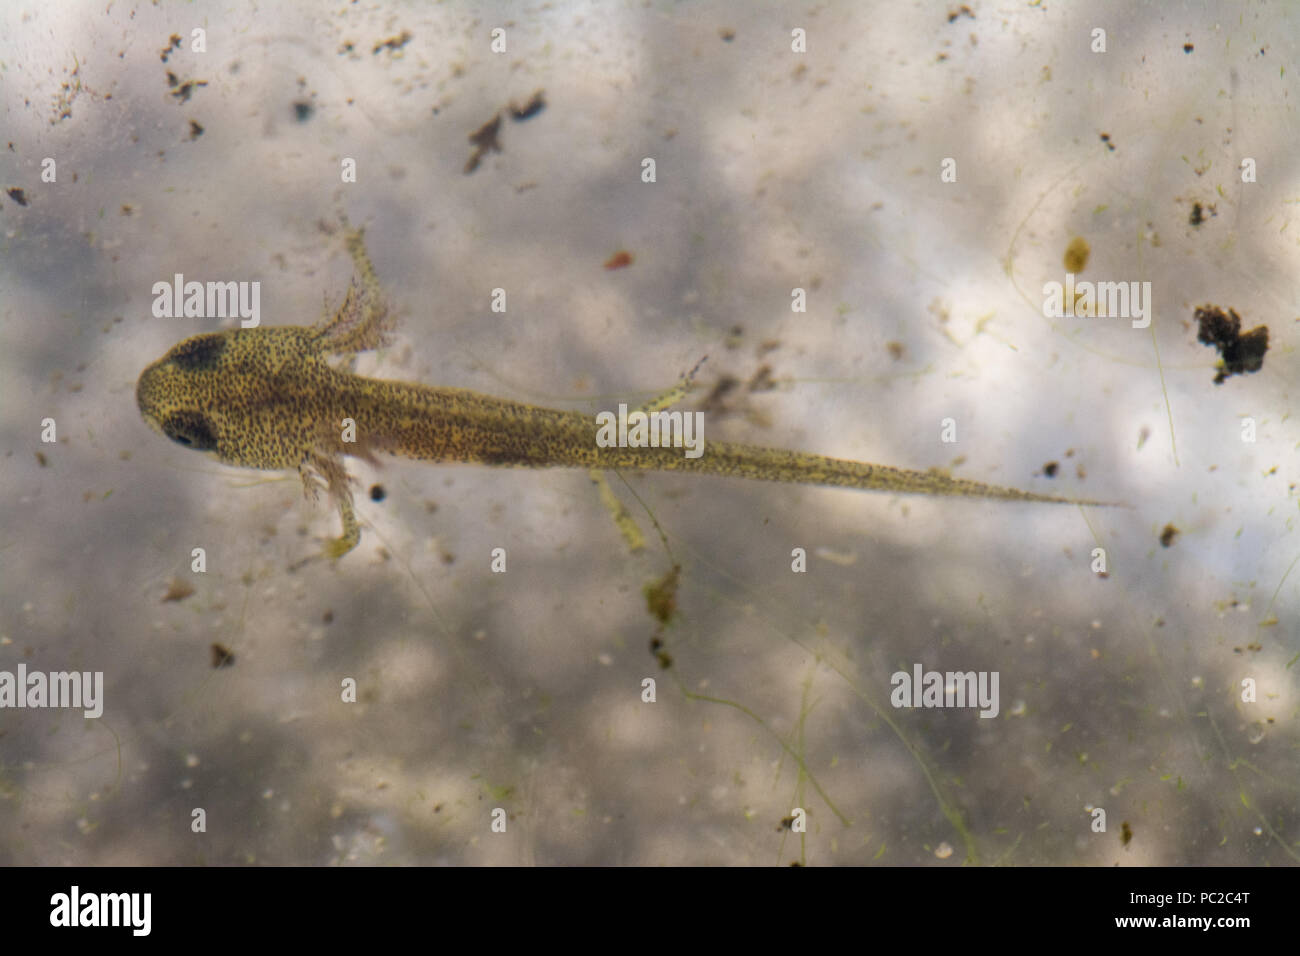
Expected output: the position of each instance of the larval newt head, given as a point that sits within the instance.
(268, 397)
(256, 398)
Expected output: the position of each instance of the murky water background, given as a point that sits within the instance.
(775, 170)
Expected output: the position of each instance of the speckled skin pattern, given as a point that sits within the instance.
(270, 398)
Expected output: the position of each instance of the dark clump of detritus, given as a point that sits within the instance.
(762, 381)
(222, 656)
(1242, 352)
(185, 90)
(661, 596)
(484, 140)
(536, 103)
(715, 401)
(1168, 535)
(1051, 468)
(302, 111)
(377, 493)
(173, 43)
(661, 602)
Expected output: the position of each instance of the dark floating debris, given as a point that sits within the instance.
(484, 140)
(535, 105)
(661, 602)
(185, 90)
(173, 43)
(1241, 353)
(1199, 213)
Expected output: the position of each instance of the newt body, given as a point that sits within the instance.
(271, 398)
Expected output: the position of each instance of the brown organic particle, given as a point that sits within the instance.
(186, 89)
(661, 597)
(962, 11)
(661, 602)
(393, 44)
(1125, 833)
(1168, 535)
(195, 130)
(535, 105)
(1105, 138)
(1051, 468)
(17, 195)
(177, 590)
(619, 260)
(716, 400)
(484, 139)
(1241, 352)
(1076, 254)
(1199, 216)
(762, 381)
(173, 43)
(222, 656)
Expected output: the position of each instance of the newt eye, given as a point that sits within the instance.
(201, 351)
(190, 429)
